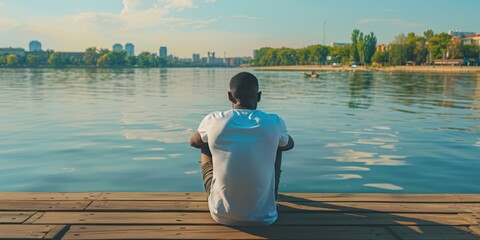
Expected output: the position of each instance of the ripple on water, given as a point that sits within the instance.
(340, 176)
(387, 186)
(148, 158)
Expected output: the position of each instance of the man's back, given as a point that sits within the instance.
(243, 144)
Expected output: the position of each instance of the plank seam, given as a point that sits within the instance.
(394, 234)
(34, 217)
(91, 202)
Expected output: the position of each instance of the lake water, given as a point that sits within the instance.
(128, 129)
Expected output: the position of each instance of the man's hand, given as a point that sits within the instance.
(196, 141)
(289, 145)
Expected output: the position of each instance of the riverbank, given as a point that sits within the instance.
(425, 69)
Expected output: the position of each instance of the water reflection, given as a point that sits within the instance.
(360, 95)
(365, 129)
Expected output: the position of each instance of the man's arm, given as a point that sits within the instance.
(196, 141)
(289, 145)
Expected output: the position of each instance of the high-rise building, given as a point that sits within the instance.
(130, 49)
(196, 58)
(35, 46)
(163, 52)
(117, 47)
(455, 33)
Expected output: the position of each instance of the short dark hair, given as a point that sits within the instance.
(244, 85)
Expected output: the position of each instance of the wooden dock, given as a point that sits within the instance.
(115, 215)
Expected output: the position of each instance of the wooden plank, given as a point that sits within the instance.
(346, 197)
(152, 206)
(285, 218)
(14, 196)
(473, 218)
(125, 218)
(42, 205)
(383, 219)
(475, 229)
(224, 232)
(290, 197)
(469, 198)
(21, 231)
(153, 196)
(433, 233)
(158, 206)
(372, 207)
(34, 217)
(14, 217)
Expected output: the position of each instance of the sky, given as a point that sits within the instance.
(227, 27)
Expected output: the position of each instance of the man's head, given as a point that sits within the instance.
(244, 91)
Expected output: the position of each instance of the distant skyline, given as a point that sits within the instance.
(233, 27)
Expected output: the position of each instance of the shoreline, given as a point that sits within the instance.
(411, 69)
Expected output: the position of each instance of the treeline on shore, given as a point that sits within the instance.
(410, 48)
(92, 57)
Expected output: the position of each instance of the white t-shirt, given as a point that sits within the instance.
(243, 144)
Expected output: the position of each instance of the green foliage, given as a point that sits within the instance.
(146, 59)
(438, 45)
(55, 60)
(3, 60)
(314, 54)
(382, 58)
(130, 61)
(369, 45)
(112, 59)
(12, 60)
(469, 51)
(90, 56)
(340, 54)
(32, 60)
(354, 47)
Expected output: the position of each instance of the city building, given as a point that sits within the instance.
(255, 52)
(163, 52)
(455, 33)
(338, 44)
(196, 58)
(17, 51)
(472, 39)
(381, 48)
(117, 47)
(130, 49)
(35, 46)
(211, 58)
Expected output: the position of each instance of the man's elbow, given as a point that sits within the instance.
(196, 144)
(289, 145)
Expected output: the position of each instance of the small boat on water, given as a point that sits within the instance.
(310, 75)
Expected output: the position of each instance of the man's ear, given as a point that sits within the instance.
(259, 96)
(231, 98)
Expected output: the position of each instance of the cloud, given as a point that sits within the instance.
(140, 15)
(392, 22)
(246, 17)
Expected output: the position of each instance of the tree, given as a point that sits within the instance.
(354, 47)
(382, 58)
(32, 60)
(369, 45)
(55, 60)
(12, 60)
(342, 54)
(3, 60)
(130, 61)
(439, 44)
(112, 59)
(145, 59)
(91, 56)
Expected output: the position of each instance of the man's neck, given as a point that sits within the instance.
(239, 106)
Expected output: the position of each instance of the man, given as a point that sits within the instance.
(241, 157)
